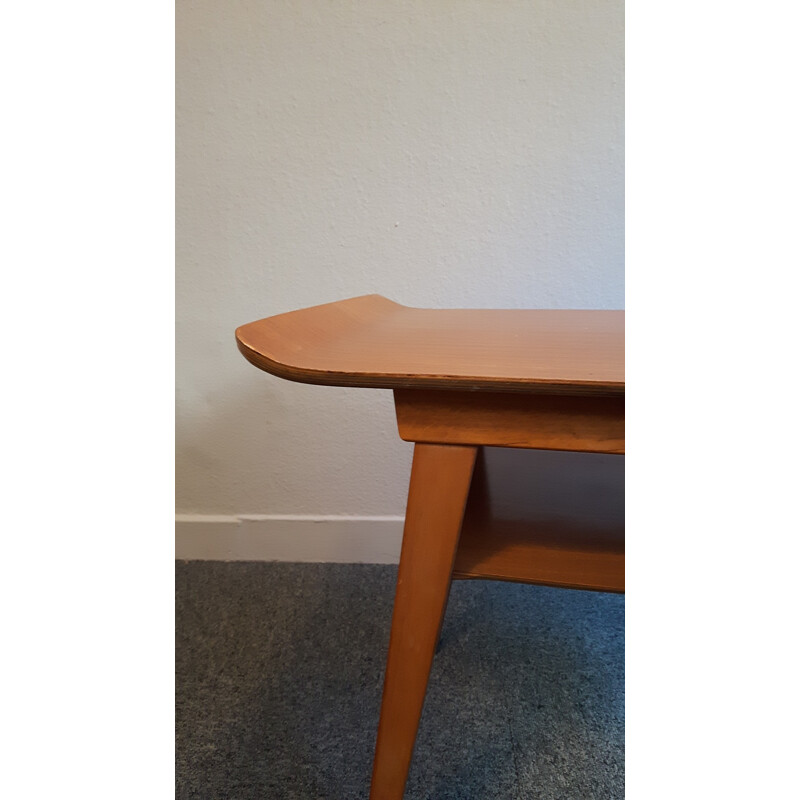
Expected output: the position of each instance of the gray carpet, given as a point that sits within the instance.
(279, 671)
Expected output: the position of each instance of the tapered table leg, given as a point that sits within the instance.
(437, 495)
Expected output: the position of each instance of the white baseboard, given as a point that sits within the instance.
(364, 540)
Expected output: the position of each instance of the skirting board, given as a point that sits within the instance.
(333, 539)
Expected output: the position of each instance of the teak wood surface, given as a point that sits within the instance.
(587, 423)
(556, 519)
(440, 481)
(518, 420)
(371, 341)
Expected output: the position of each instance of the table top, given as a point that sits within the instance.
(373, 342)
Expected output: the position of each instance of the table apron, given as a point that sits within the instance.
(584, 423)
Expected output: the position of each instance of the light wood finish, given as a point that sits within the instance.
(553, 518)
(539, 394)
(440, 480)
(371, 341)
(581, 422)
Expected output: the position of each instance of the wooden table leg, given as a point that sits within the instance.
(437, 495)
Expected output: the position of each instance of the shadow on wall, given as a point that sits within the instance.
(269, 446)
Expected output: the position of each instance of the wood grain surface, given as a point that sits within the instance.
(552, 518)
(587, 423)
(440, 480)
(371, 341)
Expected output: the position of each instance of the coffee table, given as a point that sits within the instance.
(518, 424)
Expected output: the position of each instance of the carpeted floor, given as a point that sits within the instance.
(279, 671)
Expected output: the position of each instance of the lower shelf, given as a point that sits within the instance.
(547, 517)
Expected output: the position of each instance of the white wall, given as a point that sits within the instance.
(444, 153)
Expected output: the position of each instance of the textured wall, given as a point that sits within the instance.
(444, 153)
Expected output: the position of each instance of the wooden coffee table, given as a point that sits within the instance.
(518, 420)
